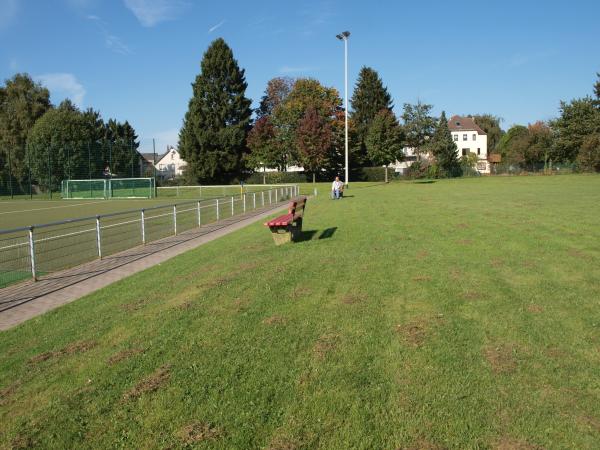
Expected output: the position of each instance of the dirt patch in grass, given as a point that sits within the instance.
(590, 422)
(248, 266)
(240, 304)
(555, 352)
(529, 264)
(501, 358)
(151, 383)
(422, 254)
(414, 332)
(71, 349)
(472, 295)
(7, 392)
(134, 306)
(123, 355)
(198, 432)
(463, 226)
(352, 298)
(300, 292)
(422, 278)
(535, 309)
(464, 241)
(326, 344)
(22, 441)
(510, 443)
(185, 305)
(283, 443)
(456, 274)
(496, 262)
(275, 320)
(579, 254)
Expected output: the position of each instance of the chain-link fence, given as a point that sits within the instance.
(31, 252)
(39, 171)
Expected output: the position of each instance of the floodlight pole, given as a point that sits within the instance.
(344, 37)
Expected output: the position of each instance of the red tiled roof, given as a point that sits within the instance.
(459, 123)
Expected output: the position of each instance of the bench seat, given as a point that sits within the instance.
(288, 227)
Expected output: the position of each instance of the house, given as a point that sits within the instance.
(470, 138)
(170, 165)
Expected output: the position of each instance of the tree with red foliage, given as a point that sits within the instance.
(314, 138)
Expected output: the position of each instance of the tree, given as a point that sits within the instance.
(369, 98)
(579, 119)
(597, 89)
(262, 142)
(443, 148)
(307, 94)
(213, 137)
(510, 140)
(276, 92)
(588, 159)
(384, 139)
(314, 140)
(22, 103)
(419, 126)
(491, 125)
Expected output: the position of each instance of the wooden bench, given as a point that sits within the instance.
(288, 227)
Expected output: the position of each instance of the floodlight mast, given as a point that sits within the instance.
(343, 36)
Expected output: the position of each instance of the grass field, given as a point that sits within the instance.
(455, 314)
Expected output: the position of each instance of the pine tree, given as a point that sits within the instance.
(213, 138)
(384, 140)
(444, 149)
(370, 96)
(597, 88)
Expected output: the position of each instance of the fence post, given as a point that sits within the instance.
(175, 220)
(217, 210)
(199, 219)
(98, 239)
(276, 200)
(262, 194)
(232, 205)
(143, 227)
(270, 196)
(254, 200)
(32, 253)
(244, 201)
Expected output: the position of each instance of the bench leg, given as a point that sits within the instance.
(281, 235)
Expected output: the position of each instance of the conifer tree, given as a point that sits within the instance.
(444, 149)
(369, 98)
(384, 140)
(213, 138)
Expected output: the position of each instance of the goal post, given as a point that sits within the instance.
(108, 188)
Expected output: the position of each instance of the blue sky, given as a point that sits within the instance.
(135, 59)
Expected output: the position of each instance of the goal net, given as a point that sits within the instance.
(108, 188)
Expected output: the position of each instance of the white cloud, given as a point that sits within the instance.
(219, 25)
(116, 45)
(63, 85)
(288, 69)
(8, 11)
(152, 12)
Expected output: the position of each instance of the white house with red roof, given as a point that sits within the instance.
(470, 138)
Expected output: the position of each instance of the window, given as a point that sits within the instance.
(474, 136)
(456, 137)
(465, 151)
(464, 137)
(479, 151)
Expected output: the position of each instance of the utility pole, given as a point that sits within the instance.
(344, 37)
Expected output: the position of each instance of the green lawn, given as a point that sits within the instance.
(456, 314)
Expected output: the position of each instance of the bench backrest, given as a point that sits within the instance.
(296, 207)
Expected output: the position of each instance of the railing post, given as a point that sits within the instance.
(262, 194)
(217, 210)
(199, 217)
(254, 200)
(32, 254)
(244, 201)
(270, 196)
(175, 220)
(98, 239)
(232, 205)
(276, 200)
(143, 227)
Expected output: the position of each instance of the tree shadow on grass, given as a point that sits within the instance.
(424, 181)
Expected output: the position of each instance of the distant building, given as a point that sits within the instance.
(170, 165)
(470, 138)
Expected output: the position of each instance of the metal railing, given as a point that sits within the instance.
(30, 252)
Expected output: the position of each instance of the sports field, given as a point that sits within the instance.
(453, 314)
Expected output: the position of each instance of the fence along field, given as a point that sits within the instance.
(37, 250)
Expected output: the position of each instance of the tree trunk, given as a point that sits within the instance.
(314, 177)
(386, 178)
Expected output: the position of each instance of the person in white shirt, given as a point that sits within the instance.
(337, 188)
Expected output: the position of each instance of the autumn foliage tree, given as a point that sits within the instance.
(314, 139)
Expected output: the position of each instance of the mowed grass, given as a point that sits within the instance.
(456, 314)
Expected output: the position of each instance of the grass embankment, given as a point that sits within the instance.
(461, 314)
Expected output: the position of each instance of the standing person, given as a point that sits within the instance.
(106, 173)
(337, 188)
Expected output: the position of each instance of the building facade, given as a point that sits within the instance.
(170, 165)
(470, 138)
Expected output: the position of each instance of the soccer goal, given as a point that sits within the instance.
(108, 188)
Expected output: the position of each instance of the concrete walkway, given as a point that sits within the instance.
(23, 301)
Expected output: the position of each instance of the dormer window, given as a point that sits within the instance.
(458, 124)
